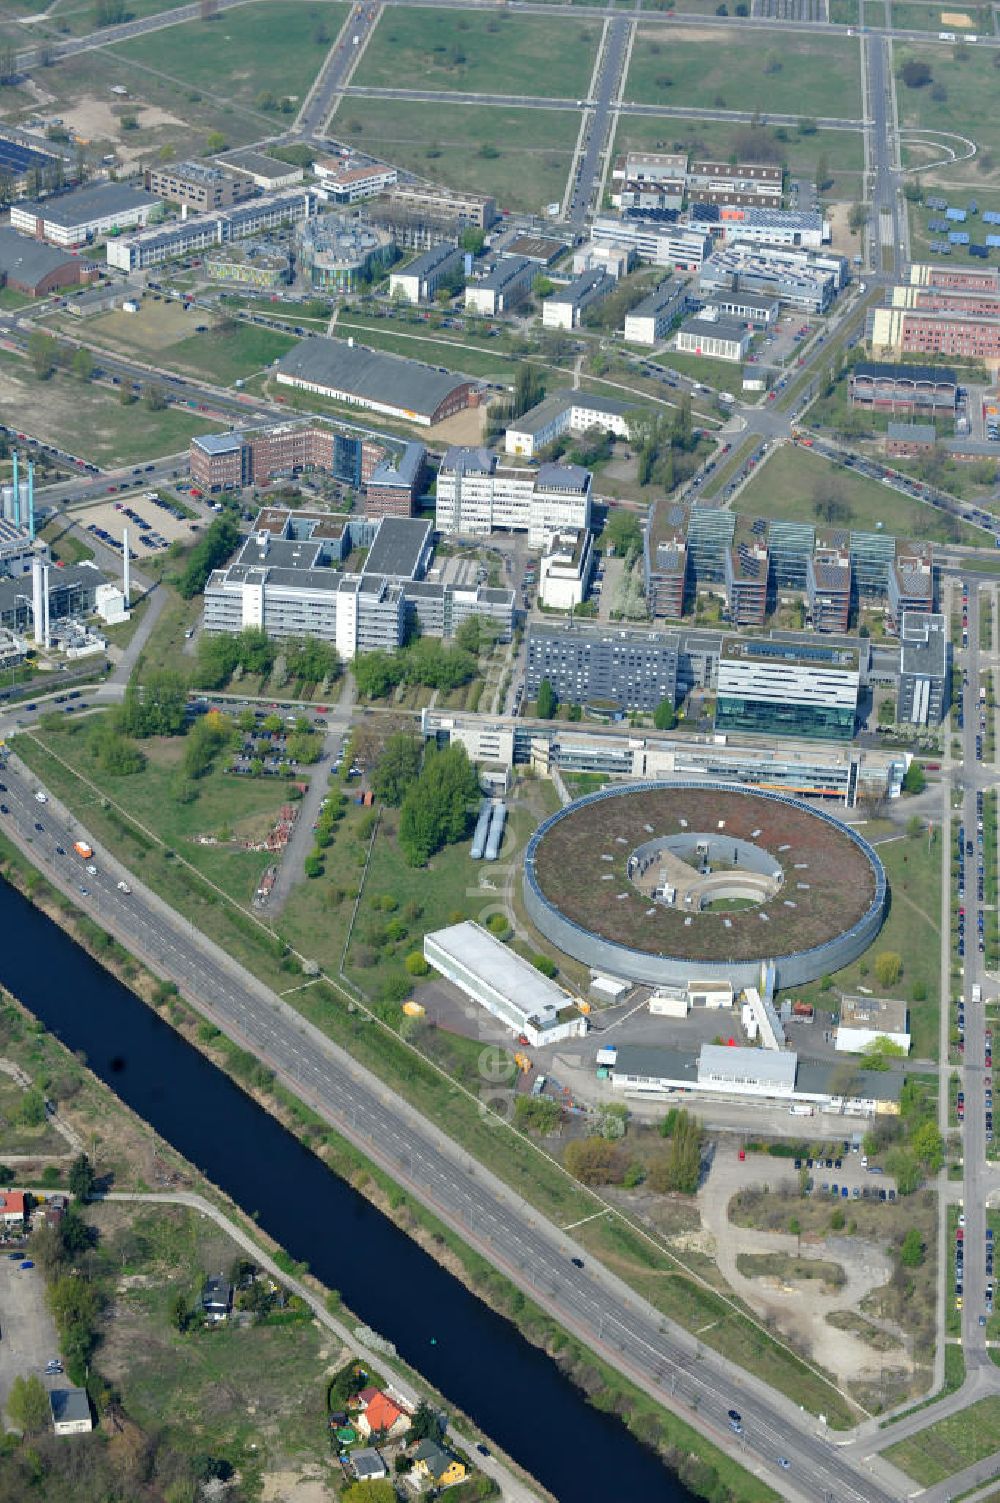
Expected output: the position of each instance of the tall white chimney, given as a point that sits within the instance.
(37, 606)
(126, 569)
(45, 603)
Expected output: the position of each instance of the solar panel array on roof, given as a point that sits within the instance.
(758, 527)
(16, 160)
(990, 216)
(655, 216)
(978, 250)
(957, 237)
(675, 516)
(956, 215)
(993, 240)
(936, 203)
(937, 225)
(705, 213)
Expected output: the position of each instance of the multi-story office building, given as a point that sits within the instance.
(476, 495)
(461, 211)
(960, 278)
(758, 312)
(154, 246)
(198, 185)
(924, 669)
(660, 244)
(649, 180)
(666, 559)
(887, 387)
(607, 668)
(564, 309)
(715, 338)
(287, 580)
(747, 575)
(566, 411)
(388, 472)
(507, 285)
(651, 319)
(801, 278)
(565, 569)
(252, 265)
(710, 537)
(910, 583)
(69, 219)
(768, 687)
(420, 280)
(344, 183)
(809, 770)
(828, 589)
(341, 252)
(916, 331)
(735, 183)
(957, 300)
(773, 226)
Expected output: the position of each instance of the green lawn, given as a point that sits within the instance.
(844, 12)
(916, 17)
(227, 354)
(10, 300)
(785, 486)
(723, 375)
(792, 75)
(967, 107)
(951, 1445)
(528, 153)
(89, 420)
(492, 53)
(77, 16)
(437, 351)
(275, 45)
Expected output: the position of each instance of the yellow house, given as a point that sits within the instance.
(432, 1461)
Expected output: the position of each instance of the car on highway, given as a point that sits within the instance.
(784, 1462)
(124, 887)
(92, 871)
(577, 1262)
(40, 797)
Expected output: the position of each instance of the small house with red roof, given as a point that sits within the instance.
(383, 1417)
(12, 1209)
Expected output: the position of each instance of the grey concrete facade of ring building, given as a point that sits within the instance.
(605, 955)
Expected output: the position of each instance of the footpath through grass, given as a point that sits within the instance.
(951, 1445)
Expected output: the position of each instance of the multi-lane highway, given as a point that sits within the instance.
(534, 1254)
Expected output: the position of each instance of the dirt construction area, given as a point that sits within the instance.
(93, 119)
(156, 327)
(27, 1331)
(801, 1307)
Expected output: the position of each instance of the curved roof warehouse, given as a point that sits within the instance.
(389, 384)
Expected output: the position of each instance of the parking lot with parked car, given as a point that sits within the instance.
(28, 1342)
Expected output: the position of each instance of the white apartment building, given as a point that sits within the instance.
(507, 986)
(419, 281)
(476, 496)
(714, 338)
(650, 320)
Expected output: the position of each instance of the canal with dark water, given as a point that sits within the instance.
(477, 1359)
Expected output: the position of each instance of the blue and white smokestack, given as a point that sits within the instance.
(17, 495)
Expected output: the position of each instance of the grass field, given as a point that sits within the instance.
(907, 15)
(274, 45)
(786, 487)
(435, 351)
(495, 53)
(723, 375)
(844, 12)
(527, 158)
(229, 350)
(951, 1445)
(89, 420)
(969, 89)
(690, 67)
(76, 17)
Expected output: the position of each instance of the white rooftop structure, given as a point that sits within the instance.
(498, 979)
(747, 1072)
(863, 1020)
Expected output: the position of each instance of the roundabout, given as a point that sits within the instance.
(667, 883)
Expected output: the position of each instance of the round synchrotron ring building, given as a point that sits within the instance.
(667, 883)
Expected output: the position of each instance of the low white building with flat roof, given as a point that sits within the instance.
(865, 1020)
(509, 988)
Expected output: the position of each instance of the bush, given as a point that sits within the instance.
(416, 965)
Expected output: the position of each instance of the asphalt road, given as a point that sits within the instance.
(534, 1254)
(337, 68)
